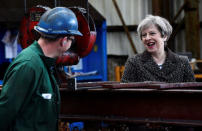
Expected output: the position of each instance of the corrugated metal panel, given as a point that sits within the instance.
(180, 42)
(180, 37)
(117, 43)
(177, 4)
(132, 10)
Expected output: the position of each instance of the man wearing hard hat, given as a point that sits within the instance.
(30, 99)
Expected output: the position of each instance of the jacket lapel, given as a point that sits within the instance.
(149, 64)
(168, 67)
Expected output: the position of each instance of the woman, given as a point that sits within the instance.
(157, 62)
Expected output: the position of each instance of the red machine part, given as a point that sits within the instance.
(84, 43)
(80, 48)
(27, 34)
(69, 58)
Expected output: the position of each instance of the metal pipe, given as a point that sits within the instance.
(178, 13)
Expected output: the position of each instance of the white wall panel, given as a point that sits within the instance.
(132, 10)
(119, 44)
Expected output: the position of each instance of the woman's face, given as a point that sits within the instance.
(152, 39)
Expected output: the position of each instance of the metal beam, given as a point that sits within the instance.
(157, 7)
(174, 107)
(192, 27)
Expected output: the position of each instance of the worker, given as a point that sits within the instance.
(157, 62)
(30, 98)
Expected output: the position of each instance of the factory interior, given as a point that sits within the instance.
(93, 97)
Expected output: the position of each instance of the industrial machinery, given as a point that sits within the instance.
(79, 49)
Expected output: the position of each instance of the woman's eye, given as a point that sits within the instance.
(143, 35)
(153, 33)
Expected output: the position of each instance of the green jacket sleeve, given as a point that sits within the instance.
(17, 86)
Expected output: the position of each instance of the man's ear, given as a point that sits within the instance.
(63, 41)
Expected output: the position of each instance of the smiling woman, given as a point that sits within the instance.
(157, 62)
(154, 43)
